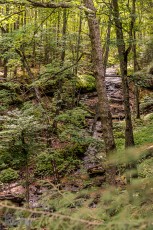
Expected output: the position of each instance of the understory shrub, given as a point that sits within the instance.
(8, 175)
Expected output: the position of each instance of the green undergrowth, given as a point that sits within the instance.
(123, 207)
(143, 131)
(86, 82)
(107, 208)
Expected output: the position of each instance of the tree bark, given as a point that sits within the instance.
(78, 44)
(51, 4)
(59, 82)
(107, 45)
(27, 182)
(99, 72)
(135, 64)
(27, 68)
(123, 55)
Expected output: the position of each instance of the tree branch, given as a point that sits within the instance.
(62, 70)
(10, 15)
(13, 2)
(50, 4)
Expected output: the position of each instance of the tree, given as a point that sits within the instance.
(97, 61)
(99, 73)
(19, 130)
(123, 57)
(135, 62)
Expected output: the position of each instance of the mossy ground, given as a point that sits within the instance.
(143, 131)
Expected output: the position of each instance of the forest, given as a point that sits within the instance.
(76, 114)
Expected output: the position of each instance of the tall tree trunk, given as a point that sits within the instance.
(27, 182)
(64, 37)
(123, 55)
(5, 67)
(107, 45)
(78, 44)
(135, 64)
(58, 34)
(33, 64)
(106, 119)
(28, 70)
(5, 31)
(75, 71)
(58, 104)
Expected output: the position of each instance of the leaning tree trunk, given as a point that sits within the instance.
(97, 54)
(123, 54)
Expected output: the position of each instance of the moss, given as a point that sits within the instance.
(148, 117)
(119, 134)
(86, 82)
(145, 169)
(120, 143)
(144, 134)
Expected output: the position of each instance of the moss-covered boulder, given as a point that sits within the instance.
(86, 83)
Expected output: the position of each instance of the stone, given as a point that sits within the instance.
(97, 170)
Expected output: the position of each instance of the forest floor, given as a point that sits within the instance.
(82, 200)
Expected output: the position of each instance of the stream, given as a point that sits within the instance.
(95, 155)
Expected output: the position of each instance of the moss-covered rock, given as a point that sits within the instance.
(145, 169)
(86, 82)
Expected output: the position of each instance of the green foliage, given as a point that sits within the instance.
(11, 157)
(72, 126)
(26, 131)
(119, 134)
(66, 160)
(116, 209)
(17, 137)
(75, 117)
(86, 82)
(75, 135)
(149, 117)
(5, 99)
(17, 122)
(9, 95)
(8, 175)
(145, 169)
(44, 165)
(128, 207)
(147, 105)
(147, 55)
(59, 202)
(144, 134)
